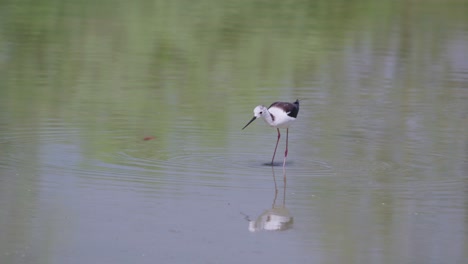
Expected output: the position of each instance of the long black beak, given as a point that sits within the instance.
(250, 122)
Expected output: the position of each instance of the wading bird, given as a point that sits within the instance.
(278, 115)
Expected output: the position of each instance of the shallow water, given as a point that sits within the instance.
(377, 169)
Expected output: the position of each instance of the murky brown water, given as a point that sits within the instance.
(377, 169)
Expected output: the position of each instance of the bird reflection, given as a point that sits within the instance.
(278, 217)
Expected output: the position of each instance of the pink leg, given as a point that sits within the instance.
(274, 153)
(286, 152)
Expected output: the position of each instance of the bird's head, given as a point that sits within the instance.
(259, 112)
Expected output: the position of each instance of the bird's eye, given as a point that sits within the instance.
(261, 112)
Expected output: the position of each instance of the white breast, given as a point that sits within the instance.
(281, 118)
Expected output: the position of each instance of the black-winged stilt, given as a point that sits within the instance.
(279, 115)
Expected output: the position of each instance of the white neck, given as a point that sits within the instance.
(267, 117)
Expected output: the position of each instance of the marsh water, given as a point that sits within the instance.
(121, 140)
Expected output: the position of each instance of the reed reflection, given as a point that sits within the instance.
(278, 217)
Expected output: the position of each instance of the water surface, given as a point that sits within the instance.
(377, 169)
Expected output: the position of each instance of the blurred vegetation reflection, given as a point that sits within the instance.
(200, 49)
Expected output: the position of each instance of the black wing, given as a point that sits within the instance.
(291, 108)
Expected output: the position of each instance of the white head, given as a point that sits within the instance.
(259, 111)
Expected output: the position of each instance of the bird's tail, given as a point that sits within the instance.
(297, 103)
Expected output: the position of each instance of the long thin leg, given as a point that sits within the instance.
(274, 153)
(286, 152)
